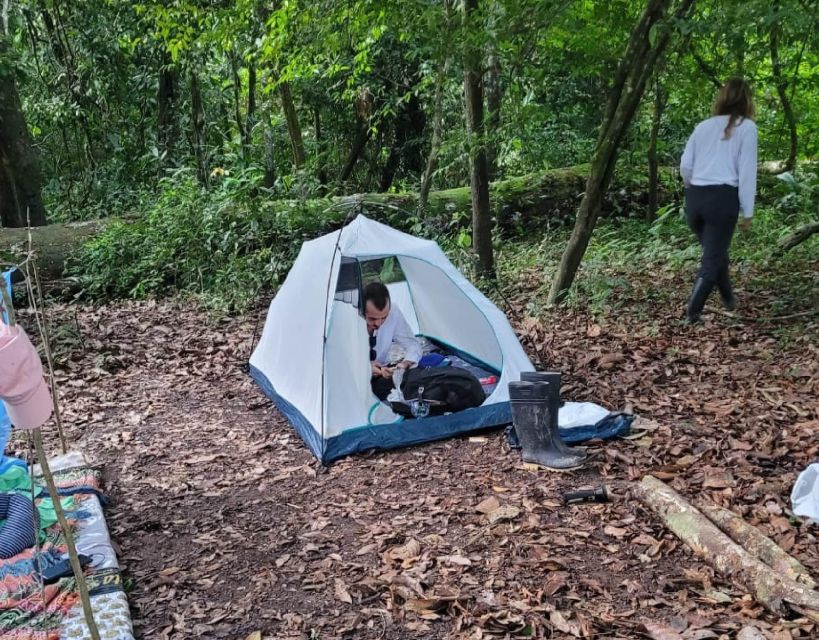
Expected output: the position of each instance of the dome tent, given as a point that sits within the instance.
(312, 357)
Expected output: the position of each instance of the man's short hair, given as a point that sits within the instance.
(378, 294)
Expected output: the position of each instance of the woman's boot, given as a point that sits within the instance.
(538, 439)
(700, 293)
(726, 292)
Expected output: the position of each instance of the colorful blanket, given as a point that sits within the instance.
(30, 610)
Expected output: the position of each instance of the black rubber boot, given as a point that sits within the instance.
(726, 292)
(552, 378)
(530, 415)
(700, 293)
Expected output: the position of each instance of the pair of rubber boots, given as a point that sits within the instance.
(535, 401)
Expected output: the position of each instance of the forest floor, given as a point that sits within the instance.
(226, 526)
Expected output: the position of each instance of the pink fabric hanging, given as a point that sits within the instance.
(22, 387)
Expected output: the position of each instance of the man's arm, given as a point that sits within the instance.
(405, 338)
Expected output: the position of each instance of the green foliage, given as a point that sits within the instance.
(224, 245)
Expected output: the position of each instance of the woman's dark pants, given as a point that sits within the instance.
(712, 213)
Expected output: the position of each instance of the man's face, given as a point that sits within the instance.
(374, 316)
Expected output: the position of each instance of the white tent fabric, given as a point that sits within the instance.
(312, 353)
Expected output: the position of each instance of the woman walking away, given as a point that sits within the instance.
(719, 171)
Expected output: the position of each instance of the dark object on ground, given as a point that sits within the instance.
(600, 494)
(62, 569)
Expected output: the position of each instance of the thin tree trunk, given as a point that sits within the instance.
(247, 141)
(166, 112)
(660, 98)
(437, 135)
(293, 126)
(478, 167)
(198, 129)
(61, 48)
(237, 102)
(322, 169)
(20, 179)
(494, 99)
(269, 158)
(634, 70)
(362, 136)
(782, 89)
(408, 126)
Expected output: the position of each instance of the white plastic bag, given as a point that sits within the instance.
(805, 494)
(397, 378)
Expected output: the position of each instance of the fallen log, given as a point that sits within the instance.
(797, 237)
(758, 544)
(520, 205)
(774, 591)
(52, 244)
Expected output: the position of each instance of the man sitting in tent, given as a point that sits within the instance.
(386, 326)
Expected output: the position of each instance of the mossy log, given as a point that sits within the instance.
(773, 590)
(758, 544)
(520, 205)
(52, 244)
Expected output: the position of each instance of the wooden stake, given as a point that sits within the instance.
(73, 558)
(49, 358)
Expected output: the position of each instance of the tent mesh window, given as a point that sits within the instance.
(348, 287)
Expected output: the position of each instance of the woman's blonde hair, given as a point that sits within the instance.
(736, 100)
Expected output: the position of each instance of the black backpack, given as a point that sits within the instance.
(455, 388)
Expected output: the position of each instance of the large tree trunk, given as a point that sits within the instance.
(478, 168)
(293, 126)
(660, 98)
(634, 70)
(199, 132)
(20, 180)
(166, 129)
(782, 89)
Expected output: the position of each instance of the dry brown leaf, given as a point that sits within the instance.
(488, 506)
(661, 631)
(341, 592)
(504, 513)
(407, 551)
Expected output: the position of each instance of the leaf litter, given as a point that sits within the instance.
(227, 527)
